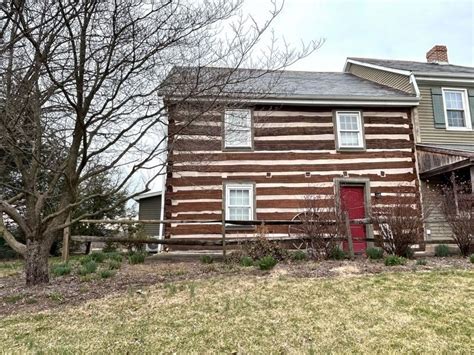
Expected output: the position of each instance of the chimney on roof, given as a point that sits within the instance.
(437, 54)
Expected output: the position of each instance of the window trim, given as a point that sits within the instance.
(228, 185)
(361, 135)
(465, 104)
(235, 147)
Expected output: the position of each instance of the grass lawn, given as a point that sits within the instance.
(391, 312)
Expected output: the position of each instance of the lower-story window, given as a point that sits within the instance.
(239, 202)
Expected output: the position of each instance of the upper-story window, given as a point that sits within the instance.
(456, 109)
(238, 128)
(349, 129)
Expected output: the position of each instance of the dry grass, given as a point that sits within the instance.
(396, 312)
(10, 268)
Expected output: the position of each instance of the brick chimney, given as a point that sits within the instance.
(437, 54)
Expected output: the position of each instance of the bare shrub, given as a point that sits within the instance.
(262, 246)
(319, 232)
(400, 225)
(458, 209)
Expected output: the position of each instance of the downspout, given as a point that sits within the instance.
(163, 188)
(417, 139)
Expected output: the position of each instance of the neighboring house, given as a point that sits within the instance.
(444, 119)
(150, 208)
(334, 136)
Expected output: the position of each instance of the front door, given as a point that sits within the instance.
(353, 201)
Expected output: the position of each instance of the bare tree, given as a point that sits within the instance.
(458, 209)
(80, 83)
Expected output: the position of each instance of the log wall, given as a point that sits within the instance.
(289, 142)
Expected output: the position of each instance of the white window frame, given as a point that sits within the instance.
(465, 104)
(229, 144)
(247, 186)
(359, 131)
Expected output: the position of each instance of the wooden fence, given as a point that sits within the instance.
(224, 241)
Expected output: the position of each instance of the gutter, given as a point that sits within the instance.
(318, 101)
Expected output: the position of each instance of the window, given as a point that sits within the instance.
(238, 129)
(239, 202)
(349, 130)
(455, 106)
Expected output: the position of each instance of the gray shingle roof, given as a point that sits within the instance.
(417, 67)
(278, 84)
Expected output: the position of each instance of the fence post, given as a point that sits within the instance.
(224, 251)
(66, 236)
(349, 235)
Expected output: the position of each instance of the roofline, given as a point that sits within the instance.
(147, 195)
(324, 101)
(445, 75)
(452, 78)
(374, 66)
(409, 72)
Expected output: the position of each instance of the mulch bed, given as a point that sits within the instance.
(65, 291)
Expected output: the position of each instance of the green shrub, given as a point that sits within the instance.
(337, 254)
(206, 259)
(85, 259)
(114, 264)
(136, 257)
(471, 258)
(392, 260)
(116, 256)
(61, 269)
(88, 268)
(374, 253)
(421, 262)
(409, 253)
(267, 262)
(441, 250)
(105, 274)
(98, 256)
(299, 255)
(246, 261)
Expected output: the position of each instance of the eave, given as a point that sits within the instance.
(378, 101)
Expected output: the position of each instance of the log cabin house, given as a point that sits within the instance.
(258, 154)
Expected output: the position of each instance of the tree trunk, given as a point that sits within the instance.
(37, 269)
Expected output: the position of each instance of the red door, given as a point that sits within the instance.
(353, 201)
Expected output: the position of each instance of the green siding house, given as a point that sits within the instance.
(443, 120)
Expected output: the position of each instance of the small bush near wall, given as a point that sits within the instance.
(262, 247)
(393, 260)
(206, 259)
(337, 254)
(374, 253)
(442, 250)
(299, 255)
(471, 258)
(246, 261)
(267, 262)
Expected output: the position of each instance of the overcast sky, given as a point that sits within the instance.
(390, 29)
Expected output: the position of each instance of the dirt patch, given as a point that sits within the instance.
(70, 290)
